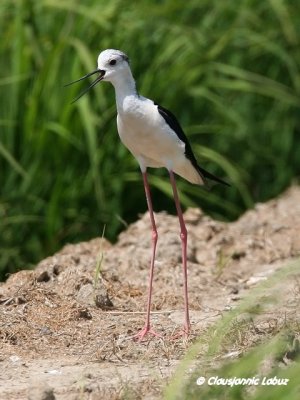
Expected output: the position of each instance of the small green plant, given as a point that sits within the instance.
(99, 261)
(222, 262)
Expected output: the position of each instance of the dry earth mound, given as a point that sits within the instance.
(66, 328)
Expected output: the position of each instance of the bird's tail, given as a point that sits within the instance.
(207, 175)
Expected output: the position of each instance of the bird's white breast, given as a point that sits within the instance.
(145, 133)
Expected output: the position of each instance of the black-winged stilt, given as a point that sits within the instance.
(155, 138)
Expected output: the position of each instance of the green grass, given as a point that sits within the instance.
(228, 70)
(260, 352)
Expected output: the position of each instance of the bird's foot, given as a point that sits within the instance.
(145, 331)
(183, 333)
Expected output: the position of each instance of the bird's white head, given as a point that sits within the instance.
(113, 66)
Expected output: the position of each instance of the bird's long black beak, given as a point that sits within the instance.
(98, 79)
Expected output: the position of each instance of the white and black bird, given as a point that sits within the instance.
(155, 138)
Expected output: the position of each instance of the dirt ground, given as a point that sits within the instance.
(66, 328)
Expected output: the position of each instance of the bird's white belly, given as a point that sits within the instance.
(147, 139)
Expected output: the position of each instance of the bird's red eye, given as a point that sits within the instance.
(112, 62)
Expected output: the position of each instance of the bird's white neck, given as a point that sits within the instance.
(124, 86)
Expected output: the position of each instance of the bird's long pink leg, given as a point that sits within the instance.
(147, 328)
(183, 237)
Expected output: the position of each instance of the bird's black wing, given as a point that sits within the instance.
(173, 123)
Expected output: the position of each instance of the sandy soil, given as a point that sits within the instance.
(66, 330)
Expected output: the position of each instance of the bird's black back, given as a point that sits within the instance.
(173, 123)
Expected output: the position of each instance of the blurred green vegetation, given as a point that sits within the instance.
(229, 71)
(238, 346)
